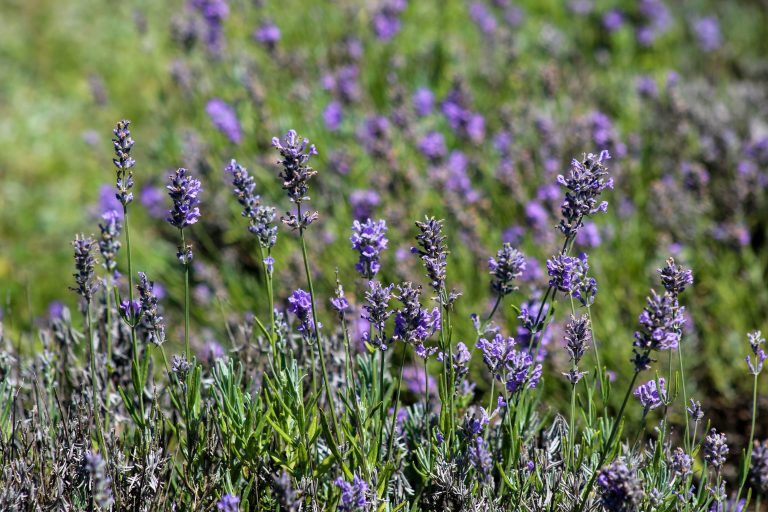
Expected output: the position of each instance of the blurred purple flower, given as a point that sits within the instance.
(267, 34)
(363, 202)
(333, 115)
(224, 118)
(707, 31)
(423, 101)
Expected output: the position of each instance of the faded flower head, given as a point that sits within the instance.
(650, 397)
(619, 488)
(507, 266)
(354, 495)
(368, 238)
(109, 244)
(480, 457)
(695, 411)
(715, 449)
(244, 188)
(123, 162)
(584, 184)
(578, 336)
(85, 263)
(183, 190)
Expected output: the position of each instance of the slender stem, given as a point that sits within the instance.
(351, 388)
(495, 307)
(600, 374)
(751, 439)
(607, 448)
(383, 412)
(186, 296)
(317, 326)
(686, 439)
(95, 384)
(397, 405)
(134, 341)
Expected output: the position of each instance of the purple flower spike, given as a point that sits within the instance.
(586, 181)
(184, 191)
(619, 488)
(650, 397)
(354, 495)
(300, 304)
(368, 239)
(123, 162)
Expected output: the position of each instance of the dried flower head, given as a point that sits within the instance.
(377, 312)
(149, 310)
(680, 463)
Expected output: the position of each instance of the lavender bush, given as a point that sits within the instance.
(456, 310)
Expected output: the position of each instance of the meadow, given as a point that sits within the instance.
(383, 255)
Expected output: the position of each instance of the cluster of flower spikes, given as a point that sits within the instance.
(517, 369)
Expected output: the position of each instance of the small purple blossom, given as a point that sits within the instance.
(707, 31)
(432, 146)
(183, 190)
(715, 449)
(296, 173)
(214, 12)
(681, 463)
(354, 495)
(267, 34)
(363, 202)
(386, 20)
(228, 503)
(649, 396)
(333, 114)
(368, 238)
(432, 251)
(418, 381)
(224, 118)
(423, 101)
(414, 324)
(613, 20)
(300, 304)
(660, 323)
(377, 311)
(675, 278)
(619, 488)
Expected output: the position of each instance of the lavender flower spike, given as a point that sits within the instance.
(300, 304)
(296, 174)
(675, 278)
(183, 190)
(377, 312)
(369, 240)
(715, 449)
(123, 161)
(584, 185)
(149, 311)
(619, 488)
(260, 217)
(85, 263)
(95, 467)
(354, 495)
(229, 503)
(507, 266)
(432, 251)
(650, 397)
(224, 118)
(414, 324)
(109, 244)
(660, 323)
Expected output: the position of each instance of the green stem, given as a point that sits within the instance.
(186, 296)
(351, 386)
(751, 439)
(397, 405)
(383, 412)
(134, 341)
(686, 439)
(608, 446)
(317, 327)
(94, 384)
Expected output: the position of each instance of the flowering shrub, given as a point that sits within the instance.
(300, 417)
(403, 313)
